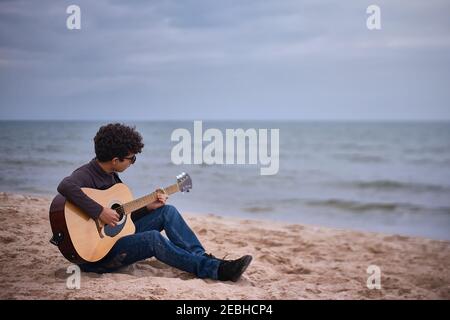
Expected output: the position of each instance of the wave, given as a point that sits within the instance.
(349, 146)
(48, 148)
(435, 150)
(428, 161)
(353, 205)
(390, 185)
(362, 207)
(258, 209)
(39, 162)
(358, 157)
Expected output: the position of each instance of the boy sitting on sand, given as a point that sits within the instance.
(116, 146)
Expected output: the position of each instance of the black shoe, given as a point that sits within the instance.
(233, 269)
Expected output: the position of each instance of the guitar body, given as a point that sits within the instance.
(82, 239)
(79, 237)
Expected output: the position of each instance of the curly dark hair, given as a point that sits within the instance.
(117, 140)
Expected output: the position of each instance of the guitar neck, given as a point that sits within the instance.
(145, 200)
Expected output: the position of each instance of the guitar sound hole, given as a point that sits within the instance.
(120, 212)
(113, 231)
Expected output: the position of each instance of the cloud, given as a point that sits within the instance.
(252, 59)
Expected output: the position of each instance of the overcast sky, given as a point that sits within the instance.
(229, 59)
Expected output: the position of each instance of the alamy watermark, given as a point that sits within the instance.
(233, 147)
(74, 280)
(373, 22)
(73, 21)
(374, 280)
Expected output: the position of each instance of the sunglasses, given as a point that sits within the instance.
(132, 159)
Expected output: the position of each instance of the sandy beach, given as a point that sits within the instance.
(291, 261)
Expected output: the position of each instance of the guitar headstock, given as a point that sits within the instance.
(184, 182)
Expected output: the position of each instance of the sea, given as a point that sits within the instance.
(389, 177)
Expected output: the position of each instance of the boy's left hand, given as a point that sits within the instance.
(162, 197)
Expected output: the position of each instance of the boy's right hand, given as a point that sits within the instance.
(109, 216)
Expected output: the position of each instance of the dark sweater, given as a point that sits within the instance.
(90, 175)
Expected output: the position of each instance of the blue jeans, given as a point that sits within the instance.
(181, 250)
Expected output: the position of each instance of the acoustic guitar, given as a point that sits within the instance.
(83, 239)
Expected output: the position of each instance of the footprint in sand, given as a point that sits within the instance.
(275, 260)
(298, 270)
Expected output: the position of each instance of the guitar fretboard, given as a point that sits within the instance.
(145, 200)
